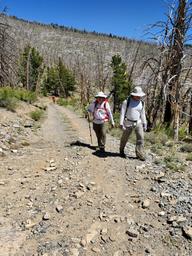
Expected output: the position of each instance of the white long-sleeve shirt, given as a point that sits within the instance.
(135, 112)
(100, 111)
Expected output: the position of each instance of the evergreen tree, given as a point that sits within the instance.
(66, 80)
(121, 84)
(30, 67)
(59, 81)
(51, 82)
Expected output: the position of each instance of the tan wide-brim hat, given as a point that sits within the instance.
(137, 91)
(100, 95)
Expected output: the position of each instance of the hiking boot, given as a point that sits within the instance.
(122, 154)
(142, 158)
(102, 150)
(140, 153)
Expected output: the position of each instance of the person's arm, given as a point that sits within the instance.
(91, 107)
(122, 116)
(143, 118)
(110, 114)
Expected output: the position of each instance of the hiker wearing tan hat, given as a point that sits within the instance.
(101, 113)
(133, 118)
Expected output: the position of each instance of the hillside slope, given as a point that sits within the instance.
(83, 52)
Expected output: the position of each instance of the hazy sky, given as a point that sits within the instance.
(127, 18)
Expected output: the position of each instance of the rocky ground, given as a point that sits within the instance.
(60, 197)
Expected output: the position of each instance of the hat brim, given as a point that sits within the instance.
(101, 96)
(138, 94)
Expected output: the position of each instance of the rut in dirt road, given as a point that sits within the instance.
(60, 198)
(56, 130)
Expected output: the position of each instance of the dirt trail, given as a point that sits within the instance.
(60, 198)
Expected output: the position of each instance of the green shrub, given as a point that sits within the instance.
(162, 129)
(9, 103)
(62, 102)
(37, 114)
(9, 97)
(24, 95)
(150, 138)
(159, 162)
(173, 163)
(189, 157)
(155, 137)
(188, 139)
(182, 132)
(70, 102)
(157, 149)
(186, 148)
(175, 166)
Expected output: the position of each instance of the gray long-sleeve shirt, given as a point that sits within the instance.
(135, 112)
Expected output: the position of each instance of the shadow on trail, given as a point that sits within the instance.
(112, 154)
(105, 154)
(97, 152)
(132, 157)
(82, 144)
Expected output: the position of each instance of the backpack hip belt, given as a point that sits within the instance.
(134, 121)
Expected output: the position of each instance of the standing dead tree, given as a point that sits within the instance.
(168, 70)
(190, 119)
(82, 73)
(7, 54)
(101, 69)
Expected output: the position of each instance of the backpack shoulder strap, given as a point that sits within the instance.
(143, 104)
(128, 101)
(95, 104)
(104, 105)
(106, 100)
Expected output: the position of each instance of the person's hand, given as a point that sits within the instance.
(89, 116)
(144, 127)
(122, 127)
(113, 125)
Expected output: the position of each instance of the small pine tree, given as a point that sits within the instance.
(121, 84)
(30, 67)
(59, 81)
(51, 82)
(66, 80)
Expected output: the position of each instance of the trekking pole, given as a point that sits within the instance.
(90, 129)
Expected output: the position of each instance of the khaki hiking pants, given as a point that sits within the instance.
(139, 149)
(100, 131)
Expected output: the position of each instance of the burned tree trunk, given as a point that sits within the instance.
(173, 99)
(7, 54)
(190, 118)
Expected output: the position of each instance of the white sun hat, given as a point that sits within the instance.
(137, 91)
(100, 95)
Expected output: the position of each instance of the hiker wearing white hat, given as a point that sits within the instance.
(101, 112)
(138, 92)
(100, 95)
(133, 118)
